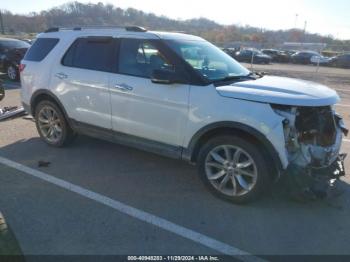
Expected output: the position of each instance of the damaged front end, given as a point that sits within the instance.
(313, 137)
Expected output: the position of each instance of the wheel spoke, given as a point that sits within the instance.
(227, 153)
(244, 164)
(217, 157)
(224, 181)
(45, 113)
(49, 132)
(43, 120)
(242, 182)
(234, 185)
(237, 155)
(217, 175)
(245, 173)
(46, 126)
(216, 165)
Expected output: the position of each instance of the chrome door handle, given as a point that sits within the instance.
(61, 75)
(124, 87)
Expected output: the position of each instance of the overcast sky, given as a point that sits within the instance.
(322, 16)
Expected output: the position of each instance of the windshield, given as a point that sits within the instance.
(208, 60)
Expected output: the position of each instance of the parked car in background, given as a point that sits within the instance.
(321, 60)
(29, 41)
(290, 52)
(230, 51)
(11, 53)
(277, 55)
(341, 61)
(253, 55)
(303, 57)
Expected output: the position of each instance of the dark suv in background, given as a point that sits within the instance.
(11, 53)
(303, 57)
(342, 61)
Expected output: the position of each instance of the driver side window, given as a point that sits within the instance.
(138, 57)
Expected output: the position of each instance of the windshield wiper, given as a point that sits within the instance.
(238, 77)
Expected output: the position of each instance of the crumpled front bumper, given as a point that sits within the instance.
(315, 182)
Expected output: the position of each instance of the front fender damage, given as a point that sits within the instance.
(313, 137)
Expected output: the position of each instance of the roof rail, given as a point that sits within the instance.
(79, 28)
(135, 29)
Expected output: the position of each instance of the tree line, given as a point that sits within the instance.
(78, 14)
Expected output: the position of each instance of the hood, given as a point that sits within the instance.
(281, 90)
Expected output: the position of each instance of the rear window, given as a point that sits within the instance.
(94, 53)
(40, 49)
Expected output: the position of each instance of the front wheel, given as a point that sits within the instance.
(233, 169)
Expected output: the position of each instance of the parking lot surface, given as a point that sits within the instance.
(48, 219)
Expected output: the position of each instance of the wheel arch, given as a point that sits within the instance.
(43, 94)
(229, 128)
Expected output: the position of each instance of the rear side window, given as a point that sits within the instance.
(40, 49)
(95, 53)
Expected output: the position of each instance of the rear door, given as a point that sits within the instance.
(81, 80)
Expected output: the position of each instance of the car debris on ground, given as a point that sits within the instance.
(42, 163)
(10, 111)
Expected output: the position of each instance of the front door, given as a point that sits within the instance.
(140, 107)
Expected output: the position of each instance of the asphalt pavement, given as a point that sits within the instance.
(51, 219)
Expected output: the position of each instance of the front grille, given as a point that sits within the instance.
(316, 125)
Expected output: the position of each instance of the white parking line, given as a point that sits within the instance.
(136, 213)
(346, 140)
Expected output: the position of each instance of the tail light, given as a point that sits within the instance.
(21, 67)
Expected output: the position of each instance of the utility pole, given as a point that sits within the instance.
(304, 34)
(2, 24)
(296, 21)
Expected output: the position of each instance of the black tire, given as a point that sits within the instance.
(66, 135)
(256, 154)
(12, 72)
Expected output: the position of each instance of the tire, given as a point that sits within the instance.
(49, 115)
(12, 72)
(248, 188)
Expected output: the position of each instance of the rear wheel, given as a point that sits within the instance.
(51, 124)
(233, 169)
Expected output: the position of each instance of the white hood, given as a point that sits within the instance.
(281, 90)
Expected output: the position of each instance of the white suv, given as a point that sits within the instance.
(182, 97)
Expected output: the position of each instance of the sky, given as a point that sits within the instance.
(327, 17)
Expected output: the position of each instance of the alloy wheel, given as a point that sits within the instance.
(231, 170)
(50, 124)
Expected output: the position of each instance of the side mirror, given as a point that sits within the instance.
(164, 76)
